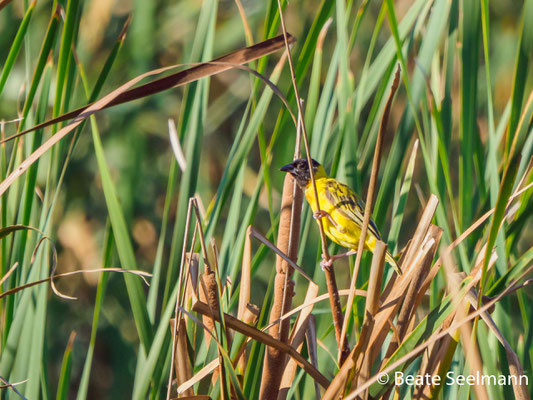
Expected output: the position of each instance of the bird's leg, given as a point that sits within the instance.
(329, 263)
(324, 214)
(348, 253)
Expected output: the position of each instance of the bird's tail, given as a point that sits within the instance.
(392, 262)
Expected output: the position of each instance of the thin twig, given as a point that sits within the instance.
(140, 274)
(336, 309)
(12, 386)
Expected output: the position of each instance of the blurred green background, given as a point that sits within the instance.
(136, 142)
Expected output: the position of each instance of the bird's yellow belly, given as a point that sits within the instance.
(337, 227)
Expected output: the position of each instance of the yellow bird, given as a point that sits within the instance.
(340, 207)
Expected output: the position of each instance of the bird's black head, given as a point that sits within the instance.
(299, 169)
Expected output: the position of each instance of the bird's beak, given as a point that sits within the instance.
(287, 168)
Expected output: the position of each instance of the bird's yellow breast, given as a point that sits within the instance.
(339, 228)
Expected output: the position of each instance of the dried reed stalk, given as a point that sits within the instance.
(181, 278)
(210, 285)
(287, 242)
(436, 337)
(333, 290)
(288, 239)
(368, 212)
(472, 356)
(372, 302)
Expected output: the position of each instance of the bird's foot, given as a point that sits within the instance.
(326, 263)
(321, 214)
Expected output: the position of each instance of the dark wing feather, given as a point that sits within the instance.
(348, 203)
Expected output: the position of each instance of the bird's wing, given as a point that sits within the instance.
(347, 203)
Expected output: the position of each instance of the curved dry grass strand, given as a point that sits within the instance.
(143, 275)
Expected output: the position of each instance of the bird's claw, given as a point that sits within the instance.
(320, 214)
(325, 263)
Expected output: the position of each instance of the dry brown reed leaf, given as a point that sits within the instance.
(221, 351)
(79, 118)
(436, 364)
(205, 371)
(439, 356)
(296, 340)
(515, 366)
(410, 304)
(312, 349)
(300, 326)
(289, 373)
(414, 261)
(208, 295)
(250, 316)
(436, 337)
(4, 3)
(472, 356)
(472, 228)
(182, 362)
(211, 287)
(125, 93)
(371, 306)
(265, 338)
